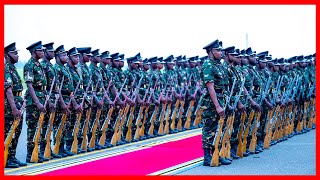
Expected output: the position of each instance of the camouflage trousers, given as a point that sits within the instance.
(14, 142)
(32, 118)
(210, 118)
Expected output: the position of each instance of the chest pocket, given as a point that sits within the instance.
(39, 76)
(16, 82)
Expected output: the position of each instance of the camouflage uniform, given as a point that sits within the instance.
(85, 76)
(50, 73)
(33, 73)
(67, 89)
(12, 80)
(72, 118)
(97, 81)
(212, 71)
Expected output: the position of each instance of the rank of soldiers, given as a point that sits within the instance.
(244, 103)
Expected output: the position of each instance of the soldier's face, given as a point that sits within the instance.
(276, 68)
(96, 59)
(86, 58)
(14, 56)
(217, 53)
(154, 65)
(192, 65)
(170, 65)
(244, 60)
(63, 58)
(262, 65)
(252, 60)
(160, 66)
(133, 65)
(140, 63)
(50, 54)
(115, 63)
(75, 59)
(121, 64)
(146, 67)
(39, 53)
(282, 67)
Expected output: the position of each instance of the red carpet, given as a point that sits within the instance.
(140, 162)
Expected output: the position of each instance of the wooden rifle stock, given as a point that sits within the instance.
(129, 125)
(253, 143)
(116, 128)
(189, 112)
(8, 140)
(246, 132)
(174, 115)
(92, 142)
(179, 125)
(266, 143)
(166, 127)
(153, 117)
(59, 133)
(142, 129)
(123, 120)
(215, 156)
(105, 127)
(84, 144)
(138, 121)
(240, 133)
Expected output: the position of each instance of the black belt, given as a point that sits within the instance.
(40, 88)
(17, 93)
(66, 93)
(219, 91)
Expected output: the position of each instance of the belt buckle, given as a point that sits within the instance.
(81, 86)
(100, 90)
(44, 88)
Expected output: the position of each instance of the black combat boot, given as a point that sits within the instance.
(207, 157)
(11, 164)
(53, 155)
(224, 161)
(29, 158)
(16, 161)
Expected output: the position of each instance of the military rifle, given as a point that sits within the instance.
(11, 132)
(63, 121)
(164, 106)
(216, 140)
(74, 146)
(35, 152)
(138, 121)
(47, 151)
(131, 116)
(168, 112)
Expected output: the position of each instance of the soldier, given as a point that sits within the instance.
(67, 101)
(35, 95)
(215, 81)
(76, 79)
(105, 66)
(85, 56)
(98, 100)
(13, 102)
(50, 73)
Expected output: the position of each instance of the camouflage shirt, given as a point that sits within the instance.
(67, 86)
(76, 78)
(12, 80)
(34, 73)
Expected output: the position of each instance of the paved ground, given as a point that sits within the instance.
(296, 156)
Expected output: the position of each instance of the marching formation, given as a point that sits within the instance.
(85, 101)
